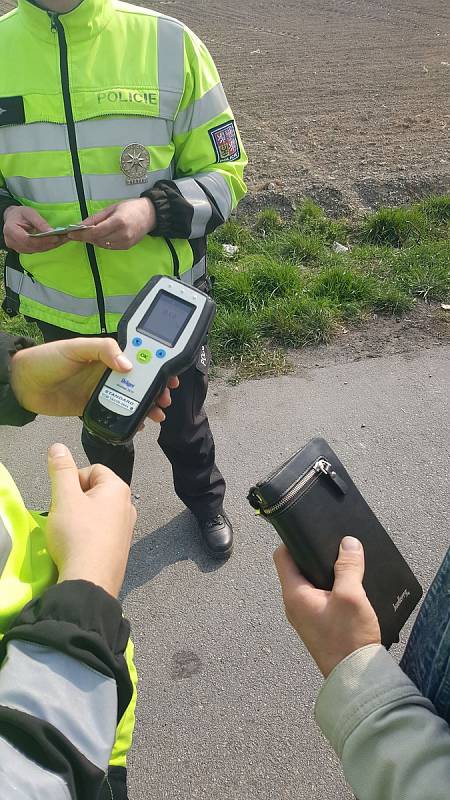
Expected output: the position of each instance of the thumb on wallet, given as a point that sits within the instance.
(349, 567)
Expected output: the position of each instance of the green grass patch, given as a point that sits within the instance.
(234, 331)
(310, 219)
(436, 209)
(237, 234)
(297, 321)
(423, 271)
(272, 278)
(268, 222)
(308, 212)
(285, 287)
(300, 248)
(232, 287)
(261, 362)
(342, 284)
(253, 281)
(17, 326)
(395, 227)
(390, 301)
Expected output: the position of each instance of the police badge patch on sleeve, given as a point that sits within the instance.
(225, 142)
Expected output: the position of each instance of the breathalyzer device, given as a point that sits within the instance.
(161, 333)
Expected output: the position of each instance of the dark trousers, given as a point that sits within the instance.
(115, 785)
(185, 438)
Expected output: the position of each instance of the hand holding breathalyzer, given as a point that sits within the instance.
(58, 378)
(161, 334)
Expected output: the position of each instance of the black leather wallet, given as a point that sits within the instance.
(313, 503)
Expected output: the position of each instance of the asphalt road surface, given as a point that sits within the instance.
(352, 95)
(227, 691)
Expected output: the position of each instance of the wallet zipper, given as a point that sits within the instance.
(321, 467)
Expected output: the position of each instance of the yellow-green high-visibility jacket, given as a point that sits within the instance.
(26, 571)
(105, 103)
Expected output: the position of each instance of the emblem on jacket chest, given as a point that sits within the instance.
(134, 163)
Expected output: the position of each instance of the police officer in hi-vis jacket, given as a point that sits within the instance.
(115, 115)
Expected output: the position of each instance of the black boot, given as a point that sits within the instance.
(217, 536)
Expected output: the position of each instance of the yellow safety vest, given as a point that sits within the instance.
(26, 571)
(91, 101)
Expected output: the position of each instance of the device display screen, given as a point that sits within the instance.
(166, 318)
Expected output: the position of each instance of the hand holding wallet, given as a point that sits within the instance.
(313, 503)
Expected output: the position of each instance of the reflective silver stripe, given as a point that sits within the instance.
(170, 66)
(218, 188)
(44, 190)
(195, 195)
(76, 699)
(38, 137)
(202, 111)
(194, 274)
(23, 779)
(120, 131)
(62, 189)
(5, 545)
(53, 298)
(60, 301)
(81, 306)
(115, 187)
(4, 193)
(199, 269)
(118, 304)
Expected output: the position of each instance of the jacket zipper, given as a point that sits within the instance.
(175, 259)
(320, 467)
(57, 26)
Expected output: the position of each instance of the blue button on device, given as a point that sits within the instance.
(136, 342)
(160, 353)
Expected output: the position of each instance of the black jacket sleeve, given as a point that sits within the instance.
(62, 661)
(11, 413)
(175, 213)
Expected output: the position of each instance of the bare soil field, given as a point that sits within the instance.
(344, 100)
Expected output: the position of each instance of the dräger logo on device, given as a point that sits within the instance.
(130, 386)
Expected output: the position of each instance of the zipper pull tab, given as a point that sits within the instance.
(326, 468)
(53, 18)
(254, 500)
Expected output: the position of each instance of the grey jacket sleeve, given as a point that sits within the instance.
(392, 744)
(64, 686)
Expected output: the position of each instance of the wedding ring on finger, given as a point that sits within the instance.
(107, 244)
